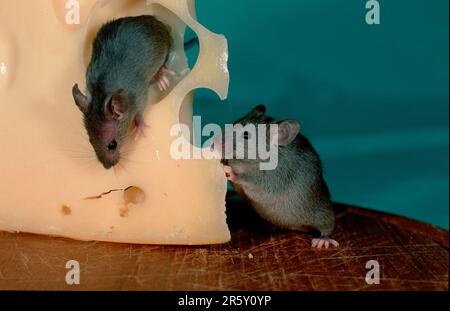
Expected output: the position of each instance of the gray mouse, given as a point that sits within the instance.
(128, 54)
(294, 195)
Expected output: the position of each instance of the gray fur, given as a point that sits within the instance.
(127, 54)
(294, 195)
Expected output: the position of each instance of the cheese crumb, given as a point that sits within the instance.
(65, 210)
(123, 211)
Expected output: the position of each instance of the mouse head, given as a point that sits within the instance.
(253, 130)
(106, 119)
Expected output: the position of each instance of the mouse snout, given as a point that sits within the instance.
(109, 156)
(109, 161)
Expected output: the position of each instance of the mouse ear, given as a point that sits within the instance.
(258, 110)
(81, 100)
(287, 131)
(116, 105)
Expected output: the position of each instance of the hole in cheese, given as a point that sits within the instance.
(52, 128)
(177, 57)
(134, 195)
(193, 48)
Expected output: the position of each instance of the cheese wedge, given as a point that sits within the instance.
(50, 180)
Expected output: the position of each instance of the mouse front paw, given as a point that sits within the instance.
(161, 78)
(231, 176)
(324, 242)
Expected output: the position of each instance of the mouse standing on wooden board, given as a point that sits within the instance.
(128, 54)
(294, 195)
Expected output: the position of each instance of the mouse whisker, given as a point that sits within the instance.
(128, 161)
(78, 151)
(115, 172)
(82, 158)
(72, 153)
(123, 167)
(126, 151)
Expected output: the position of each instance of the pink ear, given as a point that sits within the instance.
(274, 138)
(116, 105)
(287, 132)
(279, 136)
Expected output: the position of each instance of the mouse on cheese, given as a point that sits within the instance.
(50, 181)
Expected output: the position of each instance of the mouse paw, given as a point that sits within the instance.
(323, 242)
(161, 78)
(140, 126)
(231, 176)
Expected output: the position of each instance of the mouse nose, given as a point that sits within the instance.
(107, 165)
(109, 162)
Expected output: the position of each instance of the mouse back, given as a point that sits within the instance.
(127, 53)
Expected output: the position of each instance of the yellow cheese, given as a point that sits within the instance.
(50, 180)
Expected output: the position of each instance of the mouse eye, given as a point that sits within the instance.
(246, 135)
(112, 145)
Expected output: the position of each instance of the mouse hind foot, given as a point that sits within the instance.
(324, 241)
(161, 78)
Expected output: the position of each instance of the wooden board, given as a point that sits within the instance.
(412, 256)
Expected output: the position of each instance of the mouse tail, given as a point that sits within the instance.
(191, 43)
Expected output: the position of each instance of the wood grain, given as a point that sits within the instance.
(412, 255)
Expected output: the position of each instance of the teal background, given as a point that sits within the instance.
(372, 99)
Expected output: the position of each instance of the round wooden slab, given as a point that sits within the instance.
(411, 256)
